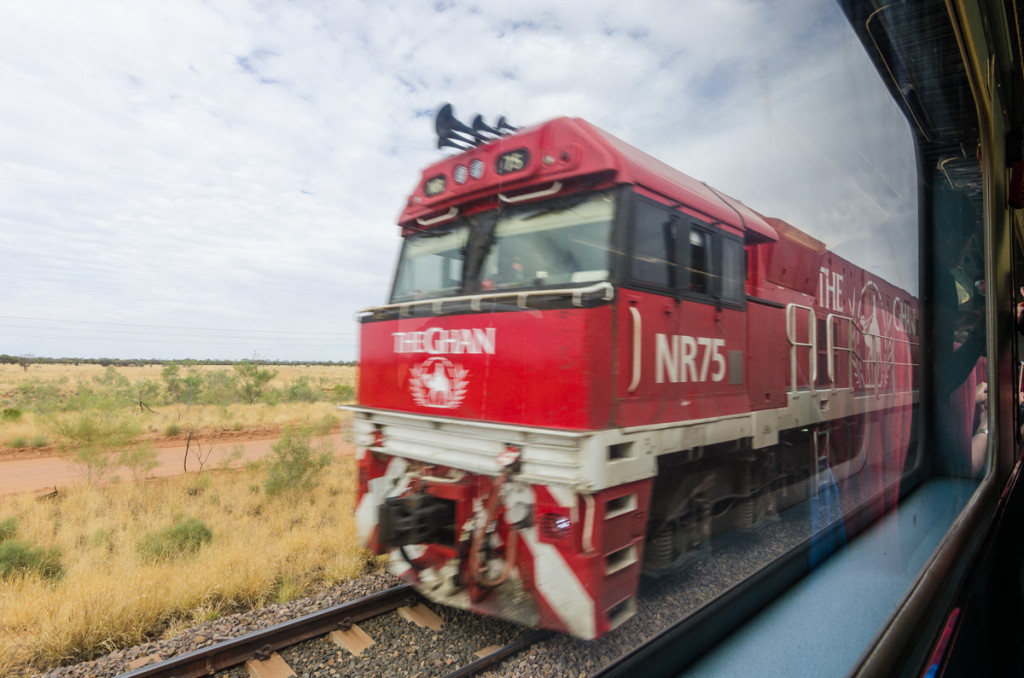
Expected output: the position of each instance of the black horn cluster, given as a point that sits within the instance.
(451, 132)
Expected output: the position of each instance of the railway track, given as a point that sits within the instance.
(499, 655)
(258, 653)
(405, 649)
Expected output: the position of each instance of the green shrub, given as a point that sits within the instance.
(10, 414)
(107, 427)
(92, 462)
(8, 528)
(139, 460)
(221, 388)
(295, 465)
(21, 557)
(172, 430)
(114, 386)
(184, 537)
(300, 391)
(38, 395)
(103, 538)
(198, 486)
(146, 393)
(39, 440)
(252, 381)
(182, 389)
(327, 422)
(90, 439)
(20, 441)
(344, 393)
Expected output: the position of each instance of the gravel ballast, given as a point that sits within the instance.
(403, 649)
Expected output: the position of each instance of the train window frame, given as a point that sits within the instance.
(926, 596)
(680, 226)
(942, 53)
(667, 226)
(715, 290)
(738, 258)
(456, 229)
(693, 273)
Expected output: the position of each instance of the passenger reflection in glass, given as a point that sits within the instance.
(960, 337)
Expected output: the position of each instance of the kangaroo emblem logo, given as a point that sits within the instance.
(876, 340)
(437, 382)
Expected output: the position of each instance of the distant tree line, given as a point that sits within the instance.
(245, 382)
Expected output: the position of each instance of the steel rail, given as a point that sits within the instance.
(259, 644)
(499, 655)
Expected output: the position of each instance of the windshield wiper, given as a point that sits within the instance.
(481, 239)
(432, 233)
(558, 205)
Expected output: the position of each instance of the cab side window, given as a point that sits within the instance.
(653, 245)
(733, 270)
(677, 254)
(700, 270)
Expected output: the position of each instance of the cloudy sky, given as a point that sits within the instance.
(196, 179)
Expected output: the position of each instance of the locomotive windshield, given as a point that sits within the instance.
(431, 264)
(553, 243)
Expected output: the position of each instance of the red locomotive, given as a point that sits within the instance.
(591, 363)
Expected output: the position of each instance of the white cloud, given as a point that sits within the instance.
(241, 165)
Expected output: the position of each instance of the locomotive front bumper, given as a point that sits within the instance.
(584, 461)
(539, 554)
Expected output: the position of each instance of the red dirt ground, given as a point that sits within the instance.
(43, 469)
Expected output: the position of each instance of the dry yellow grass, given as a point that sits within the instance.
(263, 549)
(32, 430)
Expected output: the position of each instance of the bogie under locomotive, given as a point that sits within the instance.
(577, 378)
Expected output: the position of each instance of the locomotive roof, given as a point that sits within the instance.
(565, 149)
(638, 167)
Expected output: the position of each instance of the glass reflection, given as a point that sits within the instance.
(959, 311)
(774, 374)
